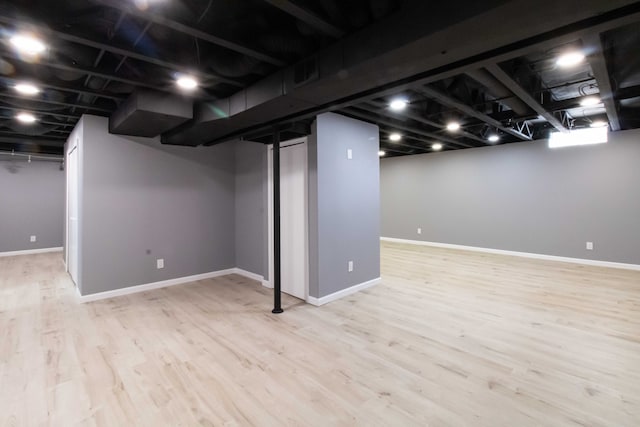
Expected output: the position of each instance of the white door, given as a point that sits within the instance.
(293, 217)
(72, 224)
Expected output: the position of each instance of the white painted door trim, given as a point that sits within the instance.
(269, 283)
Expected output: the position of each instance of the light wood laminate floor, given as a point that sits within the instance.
(450, 338)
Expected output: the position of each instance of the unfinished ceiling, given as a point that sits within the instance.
(490, 67)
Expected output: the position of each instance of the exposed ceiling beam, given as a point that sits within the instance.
(40, 111)
(492, 54)
(193, 32)
(418, 118)
(469, 111)
(389, 123)
(598, 63)
(65, 88)
(95, 73)
(32, 141)
(121, 51)
(307, 17)
(521, 93)
(34, 138)
(53, 102)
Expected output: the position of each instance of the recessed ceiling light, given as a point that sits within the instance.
(187, 82)
(26, 88)
(398, 104)
(395, 137)
(26, 118)
(598, 124)
(381, 153)
(27, 44)
(493, 138)
(570, 59)
(436, 147)
(589, 101)
(453, 126)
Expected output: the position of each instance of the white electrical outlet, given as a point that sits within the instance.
(589, 246)
(32, 239)
(350, 266)
(419, 230)
(349, 153)
(160, 263)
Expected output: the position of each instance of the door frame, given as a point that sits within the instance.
(72, 173)
(284, 144)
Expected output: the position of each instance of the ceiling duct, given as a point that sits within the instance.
(418, 39)
(150, 113)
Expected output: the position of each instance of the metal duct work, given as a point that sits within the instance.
(499, 90)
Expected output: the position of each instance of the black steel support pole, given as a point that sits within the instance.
(277, 296)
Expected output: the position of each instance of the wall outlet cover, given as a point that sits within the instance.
(32, 238)
(419, 230)
(160, 263)
(589, 246)
(350, 266)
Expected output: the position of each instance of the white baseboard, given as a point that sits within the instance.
(30, 252)
(343, 293)
(267, 284)
(155, 285)
(582, 261)
(248, 274)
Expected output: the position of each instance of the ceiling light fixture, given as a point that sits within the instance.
(436, 147)
(28, 45)
(381, 153)
(453, 126)
(26, 118)
(187, 82)
(598, 124)
(570, 59)
(589, 101)
(493, 138)
(395, 137)
(398, 104)
(26, 88)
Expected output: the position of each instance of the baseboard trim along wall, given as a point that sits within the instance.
(30, 252)
(155, 285)
(165, 283)
(582, 261)
(342, 293)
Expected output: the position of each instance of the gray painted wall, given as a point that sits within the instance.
(142, 201)
(32, 198)
(250, 204)
(344, 204)
(521, 197)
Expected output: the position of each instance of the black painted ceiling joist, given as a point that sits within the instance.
(599, 67)
(193, 32)
(521, 93)
(448, 101)
(54, 102)
(307, 17)
(63, 87)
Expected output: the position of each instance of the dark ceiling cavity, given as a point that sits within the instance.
(490, 67)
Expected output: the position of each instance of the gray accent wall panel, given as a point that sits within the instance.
(142, 201)
(250, 213)
(521, 197)
(32, 198)
(344, 204)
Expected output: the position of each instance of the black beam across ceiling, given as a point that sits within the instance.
(307, 17)
(53, 102)
(448, 101)
(597, 61)
(119, 51)
(40, 112)
(418, 118)
(35, 139)
(190, 31)
(63, 87)
(389, 123)
(521, 93)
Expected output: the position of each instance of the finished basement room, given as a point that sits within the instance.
(319, 213)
